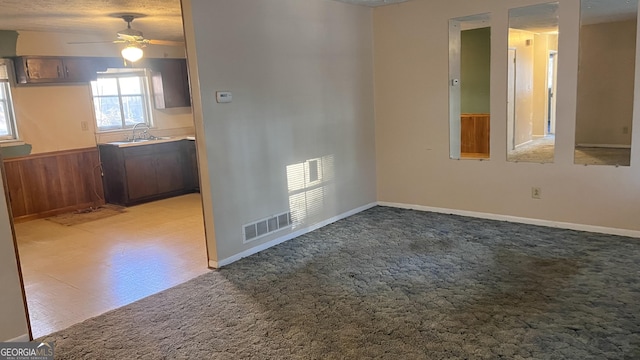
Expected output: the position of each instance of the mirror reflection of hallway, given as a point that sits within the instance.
(470, 68)
(606, 82)
(532, 74)
(552, 76)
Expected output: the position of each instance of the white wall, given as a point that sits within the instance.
(411, 97)
(50, 118)
(14, 319)
(301, 74)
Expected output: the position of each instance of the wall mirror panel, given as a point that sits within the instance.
(469, 84)
(606, 78)
(531, 83)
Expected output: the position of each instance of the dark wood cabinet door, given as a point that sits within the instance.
(141, 175)
(170, 171)
(63, 69)
(44, 68)
(81, 69)
(192, 157)
(170, 81)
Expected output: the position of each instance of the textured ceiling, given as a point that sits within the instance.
(162, 20)
(595, 11)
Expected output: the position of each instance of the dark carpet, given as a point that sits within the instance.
(392, 284)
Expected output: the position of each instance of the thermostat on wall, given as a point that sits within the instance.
(223, 96)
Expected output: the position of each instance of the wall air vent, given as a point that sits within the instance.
(266, 226)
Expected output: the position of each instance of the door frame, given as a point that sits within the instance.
(511, 95)
(5, 188)
(550, 124)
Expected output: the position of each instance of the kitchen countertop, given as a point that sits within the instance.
(159, 140)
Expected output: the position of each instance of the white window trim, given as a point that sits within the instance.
(116, 73)
(12, 138)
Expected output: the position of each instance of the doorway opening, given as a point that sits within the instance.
(511, 100)
(552, 70)
(83, 253)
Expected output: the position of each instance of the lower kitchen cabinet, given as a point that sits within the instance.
(193, 165)
(138, 174)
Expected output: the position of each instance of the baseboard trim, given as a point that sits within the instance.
(274, 242)
(516, 219)
(21, 338)
(609, 146)
(523, 144)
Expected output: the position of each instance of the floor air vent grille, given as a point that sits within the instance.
(260, 228)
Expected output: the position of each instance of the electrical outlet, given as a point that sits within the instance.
(84, 125)
(536, 193)
(625, 130)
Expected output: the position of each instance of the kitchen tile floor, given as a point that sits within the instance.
(72, 273)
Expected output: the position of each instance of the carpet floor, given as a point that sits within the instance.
(392, 284)
(542, 151)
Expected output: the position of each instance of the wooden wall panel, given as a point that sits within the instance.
(47, 184)
(475, 134)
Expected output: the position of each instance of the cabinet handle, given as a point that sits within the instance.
(66, 70)
(58, 70)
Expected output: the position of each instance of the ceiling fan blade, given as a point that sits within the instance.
(95, 42)
(166, 42)
(131, 38)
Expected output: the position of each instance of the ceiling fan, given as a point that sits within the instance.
(133, 39)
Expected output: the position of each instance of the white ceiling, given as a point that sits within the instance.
(595, 11)
(544, 17)
(163, 20)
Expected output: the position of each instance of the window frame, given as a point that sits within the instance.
(5, 86)
(143, 75)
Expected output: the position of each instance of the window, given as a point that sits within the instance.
(7, 117)
(121, 99)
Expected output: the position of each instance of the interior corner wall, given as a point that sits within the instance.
(8, 40)
(12, 312)
(475, 67)
(301, 75)
(606, 83)
(412, 141)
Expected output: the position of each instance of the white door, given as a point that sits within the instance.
(553, 86)
(511, 101)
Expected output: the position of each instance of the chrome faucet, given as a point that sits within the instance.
(145, 133)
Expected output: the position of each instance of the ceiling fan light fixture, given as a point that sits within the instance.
(132, 53)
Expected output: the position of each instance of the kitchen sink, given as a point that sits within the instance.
(137, 142)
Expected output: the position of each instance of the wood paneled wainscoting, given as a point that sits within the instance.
(475, 135)
(52, 183)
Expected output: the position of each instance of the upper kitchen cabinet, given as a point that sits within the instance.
(46, 69)
(170, 83)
